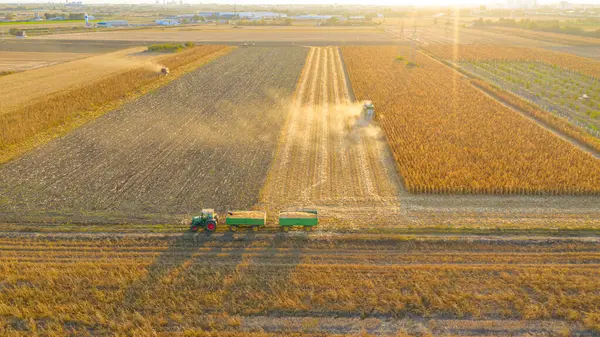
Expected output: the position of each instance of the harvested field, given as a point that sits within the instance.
(19, 61)
(22, 88)
(547, 36)
(327, 154)
(505, 53)
(308, 283)
(204, 140)
(591, 52)
(451, 138)
(42, 120)
(225, 33)
(451, 35)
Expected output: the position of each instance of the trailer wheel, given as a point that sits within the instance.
(285, 228)
(233, 228)
(307, 228)
(255, 228)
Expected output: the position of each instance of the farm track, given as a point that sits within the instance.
(310, 282)
(328, 156)
(204, 139)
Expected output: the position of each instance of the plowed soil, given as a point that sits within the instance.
(205, 140)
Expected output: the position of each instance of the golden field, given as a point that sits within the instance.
(483, 52)
(149, 285)
(448, 137)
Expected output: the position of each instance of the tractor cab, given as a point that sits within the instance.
(207, 220)
(368, 111)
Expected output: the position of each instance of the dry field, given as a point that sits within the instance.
(506, 53)
(41, 120)
(547, 36)
(452, 34)
(204, 140)
(451, 138)
(311, 284)
(229, 34)
(327, 155)
(19, 61)
(22, 88)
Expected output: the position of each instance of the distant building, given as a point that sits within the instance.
(73, 3)
(316, 17)
(113, 23)
(521, 4)
(168, 22)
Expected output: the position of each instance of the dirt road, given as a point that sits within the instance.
(204, 140)
(328, 155)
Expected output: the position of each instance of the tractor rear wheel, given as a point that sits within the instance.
(211, 226)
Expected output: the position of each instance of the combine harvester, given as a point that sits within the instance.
(302, 217)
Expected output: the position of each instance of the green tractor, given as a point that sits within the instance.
(207, 220)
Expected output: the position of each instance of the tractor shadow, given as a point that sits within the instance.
(246, 261)
(269, 271)
(182, 252)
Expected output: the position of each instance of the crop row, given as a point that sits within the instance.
(448, 137)
(480, 53)
(560, 123)
(108, 296)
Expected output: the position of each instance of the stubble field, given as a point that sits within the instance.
(205, 139)
(303, 284)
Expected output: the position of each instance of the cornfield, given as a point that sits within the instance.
(471, 53)
(448, 137)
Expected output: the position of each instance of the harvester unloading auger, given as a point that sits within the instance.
(208, 220)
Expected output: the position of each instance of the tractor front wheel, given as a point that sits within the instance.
(194, 229)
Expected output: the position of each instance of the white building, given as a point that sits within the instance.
(521, 4)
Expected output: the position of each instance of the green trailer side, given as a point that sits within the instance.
(306, 218)
(254, 219)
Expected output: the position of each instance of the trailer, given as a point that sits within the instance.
(253, 219)
(305, 218)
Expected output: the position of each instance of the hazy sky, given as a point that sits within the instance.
(341, 2)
